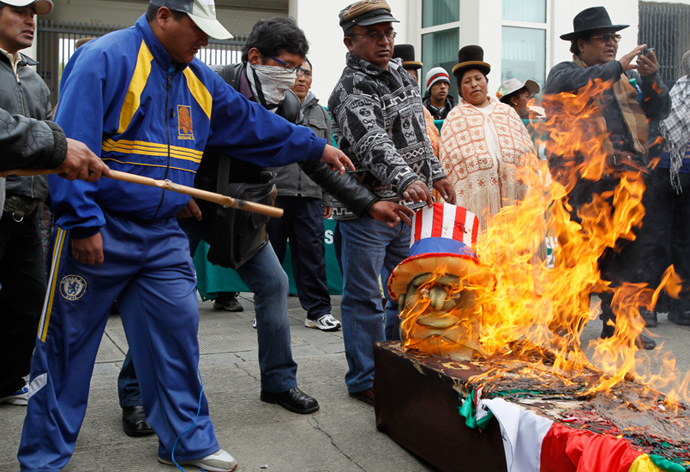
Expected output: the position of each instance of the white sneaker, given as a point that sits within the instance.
(20, 397)
(219, 461)
(324, 323)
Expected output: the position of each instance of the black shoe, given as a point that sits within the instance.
(134, 421)
(366, 396)
(642, 342)
(294, 400)
(649, 318)
(645, 342)
(682, 318)
(227, 302)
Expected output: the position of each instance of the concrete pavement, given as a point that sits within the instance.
(341, 437)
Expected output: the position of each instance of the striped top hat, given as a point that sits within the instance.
(442, 239)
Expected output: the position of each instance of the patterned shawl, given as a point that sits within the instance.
(676, 128)
(482, 183)
(633, 115)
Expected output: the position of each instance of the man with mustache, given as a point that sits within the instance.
(378, 119)
(635, 95)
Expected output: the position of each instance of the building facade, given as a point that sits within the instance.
(520, 37)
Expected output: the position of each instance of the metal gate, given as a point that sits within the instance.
(666, 28)
(57, 42)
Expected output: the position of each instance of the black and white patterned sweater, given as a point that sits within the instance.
(380, 125)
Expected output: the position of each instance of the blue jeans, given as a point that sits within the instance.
(369, 248)
(127, 384)
(266, 278)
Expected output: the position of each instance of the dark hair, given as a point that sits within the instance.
(2, 5)
(463, 75)
(308, 62)
(152, 11)
(506, 98)
(272, 36)
(574, 48)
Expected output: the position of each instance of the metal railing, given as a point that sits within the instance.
(666, 28)
(57, 42)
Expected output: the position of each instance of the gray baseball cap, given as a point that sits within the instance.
(201, 12)
(43, 7)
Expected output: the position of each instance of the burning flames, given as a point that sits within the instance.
(548, 307)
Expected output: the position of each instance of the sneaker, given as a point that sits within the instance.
(20, 397)
(324, 323)
(254, 323)
(220, 461)
(227, 303)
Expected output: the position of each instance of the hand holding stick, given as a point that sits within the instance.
(222, 200)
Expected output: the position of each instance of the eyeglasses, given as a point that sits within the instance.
(608, 36)
(287, 67)
(390, 36)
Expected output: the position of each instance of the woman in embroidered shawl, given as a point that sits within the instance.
(485, 150)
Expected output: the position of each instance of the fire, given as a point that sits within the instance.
(537, 306)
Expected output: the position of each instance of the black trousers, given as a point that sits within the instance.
(629, 261)
(23, 281)
(666, 238)
(302, 223)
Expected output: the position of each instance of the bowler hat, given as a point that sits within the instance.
(589, 20)
(406, 53)
(471, 57)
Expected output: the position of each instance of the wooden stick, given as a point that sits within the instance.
(222, 200)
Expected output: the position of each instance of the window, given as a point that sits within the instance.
(439, 12)
(440, 49)
(523, 40)
(523, 54)
(533, 11)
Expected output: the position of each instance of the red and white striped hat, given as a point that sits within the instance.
(436, 74)
(442, 239)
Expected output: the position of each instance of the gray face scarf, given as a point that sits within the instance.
(269, 84)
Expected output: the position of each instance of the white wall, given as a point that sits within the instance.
(319, 20)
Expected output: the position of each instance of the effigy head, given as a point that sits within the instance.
(436, 287)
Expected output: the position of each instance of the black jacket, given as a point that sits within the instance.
(31, 143)
(345, 188)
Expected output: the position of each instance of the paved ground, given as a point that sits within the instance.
(341, 437)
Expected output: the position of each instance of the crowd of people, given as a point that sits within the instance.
(151, 108)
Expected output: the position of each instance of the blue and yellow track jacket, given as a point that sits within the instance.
(124, 98)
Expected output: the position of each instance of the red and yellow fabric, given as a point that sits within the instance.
(536, 444)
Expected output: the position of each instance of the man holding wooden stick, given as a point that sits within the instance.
(140, 99)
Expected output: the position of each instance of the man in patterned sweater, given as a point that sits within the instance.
(378, 120)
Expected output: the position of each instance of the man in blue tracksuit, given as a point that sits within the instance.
(140, 99)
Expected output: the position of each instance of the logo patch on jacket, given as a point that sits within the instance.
(72, 287)
(185, 127)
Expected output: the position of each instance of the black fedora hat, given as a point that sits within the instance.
(406, 53)
(589, 20)
(471, 57)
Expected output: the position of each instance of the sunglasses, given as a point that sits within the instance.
(605, 38)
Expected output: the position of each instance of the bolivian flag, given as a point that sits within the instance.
(536, 444)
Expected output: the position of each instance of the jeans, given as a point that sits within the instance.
(266, 278)
(368, 247)
(127, 384)
(302, 222)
